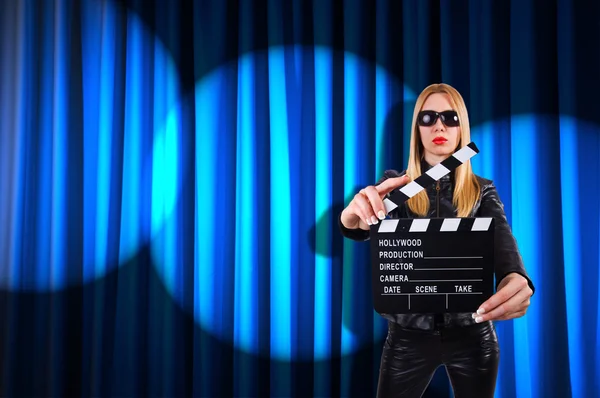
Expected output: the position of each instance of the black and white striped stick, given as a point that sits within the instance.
(397, 197)
(417, 225)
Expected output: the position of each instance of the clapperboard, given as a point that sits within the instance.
(431, 265)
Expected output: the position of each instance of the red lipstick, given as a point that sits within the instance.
(439, 140)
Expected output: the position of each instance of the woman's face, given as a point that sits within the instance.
(439, 139)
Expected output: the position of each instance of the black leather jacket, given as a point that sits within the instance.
(507, 256)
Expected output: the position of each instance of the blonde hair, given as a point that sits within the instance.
(466, 187)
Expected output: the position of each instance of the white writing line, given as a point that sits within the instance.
(446, 269)
(449, 280)
(419, 294)
(446, 258)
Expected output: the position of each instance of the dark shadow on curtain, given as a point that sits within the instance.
(111, 338)
(216, 38)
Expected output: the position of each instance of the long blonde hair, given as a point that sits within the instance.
(466, 187)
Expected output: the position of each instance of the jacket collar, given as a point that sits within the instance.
(425, 166)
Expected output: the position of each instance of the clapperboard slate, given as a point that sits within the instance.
(431, 265)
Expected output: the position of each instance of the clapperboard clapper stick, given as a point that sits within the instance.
(431, 265)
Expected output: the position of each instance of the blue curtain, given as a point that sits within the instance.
(171, 173)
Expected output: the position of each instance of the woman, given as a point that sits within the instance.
(465, 343)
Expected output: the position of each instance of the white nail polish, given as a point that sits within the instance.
(481, 311)
(381, 214)
(478, 319)
(473, 315)
(374, 220)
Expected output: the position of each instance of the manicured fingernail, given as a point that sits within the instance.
(374, 220)
(368, 221)
(381, 214)
(478, 319)
(473, 315)
(481, 311)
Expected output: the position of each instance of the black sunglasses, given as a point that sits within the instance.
(429, 118)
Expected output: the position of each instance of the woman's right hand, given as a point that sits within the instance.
(366, 208)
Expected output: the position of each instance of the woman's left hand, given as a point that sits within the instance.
(510, 301)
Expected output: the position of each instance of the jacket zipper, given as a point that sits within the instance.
(437, 198)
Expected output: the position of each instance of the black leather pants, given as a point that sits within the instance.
(410, 358)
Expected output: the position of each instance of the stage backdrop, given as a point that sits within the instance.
(171, 174)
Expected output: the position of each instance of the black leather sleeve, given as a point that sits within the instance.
(354, 234)
(506, 253)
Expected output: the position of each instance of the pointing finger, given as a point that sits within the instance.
(375, 201)
(390, 184)
(362, 208)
